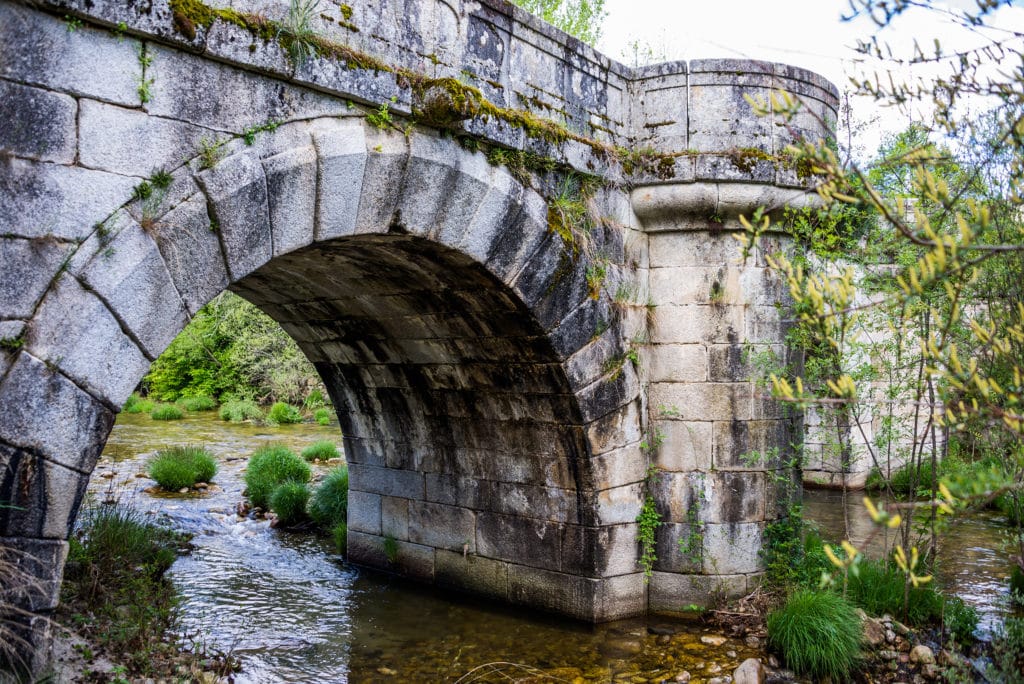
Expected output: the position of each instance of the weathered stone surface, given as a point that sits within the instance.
(704, 401)
(750, 671)
(553, 591)
(686, 445)
(341, 159)
(37, 568)
(191, 249)
(510, 538)
(39, 124)
(41, 497)
(732, 548)
(387, 481)
(443, 527)
(671, 592)
(678, 363)
(471, 573)
(364, 512)
(28, 267)
(291, 191)
(394, 517)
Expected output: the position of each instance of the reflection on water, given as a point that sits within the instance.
(972, 563)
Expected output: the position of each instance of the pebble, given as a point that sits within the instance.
(664, 639)
(713, 639)
(750, 671)
(888, 655)
(202, 485)
(141, 475)
(713, 668)
(752, 642)
(387, 671)
(720, 680)
(730, 654)
(183, 490)
(109, 475)
(683, 677)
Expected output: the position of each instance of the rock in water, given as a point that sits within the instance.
(713, 639)
(750, 671)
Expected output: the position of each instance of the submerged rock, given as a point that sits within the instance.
(713, 639)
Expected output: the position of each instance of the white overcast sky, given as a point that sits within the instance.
(805, 33)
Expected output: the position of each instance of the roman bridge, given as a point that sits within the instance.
(510, 258)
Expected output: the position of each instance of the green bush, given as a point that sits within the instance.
(239, 410)
(900, 478)
(136, 404)
(961, 620)
(288, 501)
(200, 403)
(322, 416)
(180, 467)
(329, 505)
(818, 633)
(270, 467)
(314, 400)
(792, 561)
(878, 589)
(167, 412)
(321, 451)
(282, 413)
(340, 534)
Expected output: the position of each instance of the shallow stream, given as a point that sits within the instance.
(293, 611)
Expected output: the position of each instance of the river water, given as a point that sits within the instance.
(293, 611)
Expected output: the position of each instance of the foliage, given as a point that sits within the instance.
(580, 18)
(960, 620)
(329, 505)
(296, 29)
(180, 467)
(136, 404)
(238, 410)
(269, 467)
(166, 412)
(199, 403)
(879, 589)
(648, 521)
(321, 451)
(282, 413)
(322, 416)
(794, 555)
(390, 548)
(288, 501)
(818, 633)
(1008, 653)
(339, 533)
(232, 350)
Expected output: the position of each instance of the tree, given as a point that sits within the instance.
(579, 18)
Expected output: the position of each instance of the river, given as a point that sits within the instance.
(294, 611)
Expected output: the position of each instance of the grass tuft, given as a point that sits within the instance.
(329, 505)
(878, 589)
(167, 412)
(818, 633)
(288, 501)
(340, 534)
(322, 416)
(137, 404)
(270, 467)
(321, 451)
(240, 410)
(200, 403)
(182, 466)
(282, 413)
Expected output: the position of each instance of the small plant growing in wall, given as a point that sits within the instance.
(391, 549)
(648, 523)
(382, 117)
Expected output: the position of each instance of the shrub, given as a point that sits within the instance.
(329, 505)
(167, 412)
(240, 409)
(789, 560)
(180, 467)
(270, 467)
(136, 404)
(878, 589)
(282, 413)
(322, 416)
(340, 534)
(200, 403)
(818, 633)
(314, 400)
(961, 620)
(288, 501)
(321, 451)
(390, 548)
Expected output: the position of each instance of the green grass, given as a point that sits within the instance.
(136, 404)
(390, 548)
(269, 467)
(167, 412)
(901, 479)
(239, 410)
(321, 451)
(288, 501)
(818, 633)
(282, 413)
(200, 403)
(960, 620)
(180, 467)
(340, 534)
(329, 505)
(322, 416)
(878, 589)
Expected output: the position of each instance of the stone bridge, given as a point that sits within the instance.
(509, 257)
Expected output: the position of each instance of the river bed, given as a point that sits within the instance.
(294, 611)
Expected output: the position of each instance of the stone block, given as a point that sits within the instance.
(678, 363)
(40, 497)
(599, 551)
(679, 547)
(731, 548)
(734, 497)
(366, 549)
(698, 323)
(130, 275)
(88, 61)
(673, 592)
(341, 164)
(609, 393)
(364, 512)
(132, 143)
(394, 517)
(618, 467)
(593, 361)
(750, 444)
(677, 249)
(291, 192)
(531, 501)
(686, 445)
(48, 200)
(620, 504)
(442, 526)
(234, 44)
(192, 252)
(470, 572)
(47, 413)
(387, 154)
(76, 332)
(621, 597)
(39, 124)
(455, 490)
(29, 267)
(716, 284)
(236, 190)
(536, 543)
(37, 568)
(498, 210)
(554, 591)
(615, 430)
(703, 401)
(519, 239)
(413, 561)
(387, 481)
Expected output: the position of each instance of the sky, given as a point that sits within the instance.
(805, 33)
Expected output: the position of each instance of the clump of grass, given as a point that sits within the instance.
(137, 404)
(960, 620)
(200, 403)
(182, 466)
(340, 534)
(282, 413)
(270, 467)
(878, 588)
(321, 451)
(329, 505)
(167, 412)
(288, 501)
(818, 633)
(322, 416)
(239, 410)
(391, 549)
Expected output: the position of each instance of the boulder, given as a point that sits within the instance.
(750, 671)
